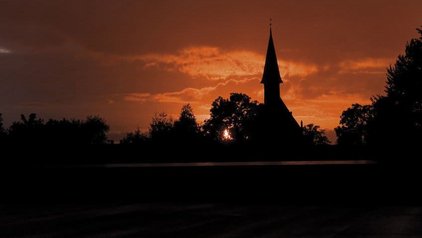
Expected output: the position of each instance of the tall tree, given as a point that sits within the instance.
(186, 127)
(231, 118)
(398, 114)
(354, 121)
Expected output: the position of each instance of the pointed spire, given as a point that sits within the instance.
(271, 71)
(280, 125)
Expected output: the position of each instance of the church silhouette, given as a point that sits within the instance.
(277, 124)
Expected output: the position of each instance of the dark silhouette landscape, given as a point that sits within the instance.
(250, 169)
(240, 129)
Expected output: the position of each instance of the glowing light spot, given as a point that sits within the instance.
(226, 135)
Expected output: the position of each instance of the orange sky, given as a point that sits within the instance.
(126, 60)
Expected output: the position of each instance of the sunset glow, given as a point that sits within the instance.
(127, 60)
(226, 135)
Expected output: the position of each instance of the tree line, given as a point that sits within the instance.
(232, 120)
(33, 130)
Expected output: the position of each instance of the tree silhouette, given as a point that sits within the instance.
(164, 130)
(27, 130)
(353, 129)
(186, 128)
(161, 128)
(63, 131)
(314, 134)
(136, 138)
(95, 130)
(398, 114)
(233, 116)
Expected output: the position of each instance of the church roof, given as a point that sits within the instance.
(288, 115)
(271, 71)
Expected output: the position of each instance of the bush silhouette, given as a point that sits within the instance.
(136, 137)
(315, 135)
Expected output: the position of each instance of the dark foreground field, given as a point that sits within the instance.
(362, 199)
(280, 182)
(208, 220)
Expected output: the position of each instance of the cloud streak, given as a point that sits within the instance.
(194, 95)
(137, 97)
(365, 65)
(4, 51)
(213, 63)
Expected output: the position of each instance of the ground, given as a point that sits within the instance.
(207, 220)
(212, 200)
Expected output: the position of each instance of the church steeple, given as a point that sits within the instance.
(271, 77)
(278, 126)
